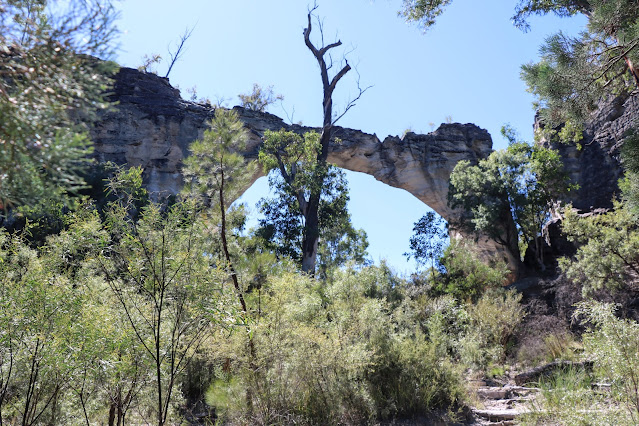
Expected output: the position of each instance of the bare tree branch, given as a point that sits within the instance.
(180, 50)
(353, 101)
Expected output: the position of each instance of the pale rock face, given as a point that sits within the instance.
(152, 127)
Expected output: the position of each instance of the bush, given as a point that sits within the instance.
(613, 345)
(568, 397)
(465, 276)
(492, 322)
(571, 397)
(333, 353)
(608, 257)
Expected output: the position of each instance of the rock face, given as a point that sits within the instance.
(152, 127)
(596, 167)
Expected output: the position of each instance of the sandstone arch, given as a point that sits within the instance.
(152, 127)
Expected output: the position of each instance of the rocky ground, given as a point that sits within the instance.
(498, 403)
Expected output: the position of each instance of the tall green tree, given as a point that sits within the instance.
(50, 89)
(282, 226)
(428, 240)
(216, 174)
(312, 147)
(520, 184)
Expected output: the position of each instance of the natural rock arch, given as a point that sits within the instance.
(152, 127)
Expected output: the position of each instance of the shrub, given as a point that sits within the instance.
(465, 276)
(492, 322)
(613, 345)
(333, 353)
(571, 397)
(608, 256)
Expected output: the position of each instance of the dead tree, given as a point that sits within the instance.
(311, 208)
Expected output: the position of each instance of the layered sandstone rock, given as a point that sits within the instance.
(152, 126)
(595, 164)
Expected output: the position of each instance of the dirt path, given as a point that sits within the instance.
(501, 404)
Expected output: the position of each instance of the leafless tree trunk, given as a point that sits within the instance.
(180, 50)
(311, 227)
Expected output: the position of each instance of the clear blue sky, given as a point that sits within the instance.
(466, 67)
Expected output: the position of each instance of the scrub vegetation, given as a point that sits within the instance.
(117, 309)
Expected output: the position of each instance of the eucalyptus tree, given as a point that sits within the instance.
(316, 145)
(428, 240)
(282, 225)
(521, 183)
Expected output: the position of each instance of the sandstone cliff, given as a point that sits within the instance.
(595, 163)
(152, 126)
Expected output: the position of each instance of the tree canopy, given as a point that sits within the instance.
(293, 160)
(425, 12)
(520, 183)
(575, 73)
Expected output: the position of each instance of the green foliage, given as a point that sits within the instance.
(334, 354)
(570, 396)
(282, 226)
(428, 239)
(294, 156)
(608, 252)
(613, 345)
(296, 175)
(62, 347)
(520, 183)
(476, 334)
(423, 11)
(576, 72)
(492, 322)
(562, 8)
(112, 309)
(165, 288)
(39, 318)
(50, 90)
(106, 314)
(629, 185)
(574, 397)
(216, 165)
(464, 276)
(260, 98)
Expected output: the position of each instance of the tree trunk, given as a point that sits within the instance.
(311, 226)
(112, 414)
(310, 242)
